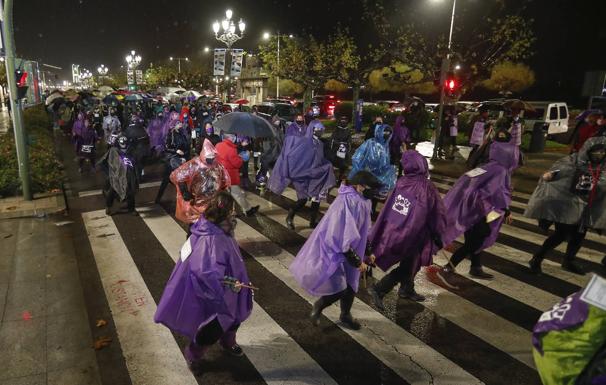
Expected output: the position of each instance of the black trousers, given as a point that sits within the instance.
(474, 238)
(166, 171)
(346, 297)
(563, 232)
(210, 333)
(111, 195)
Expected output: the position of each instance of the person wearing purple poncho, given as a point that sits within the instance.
(302, 163)
(407, 230)
(477, 206)
(78, 128)
(208, 295)
(156, 134)
(329, 263)
(85, 138)
(296, 128)
(401, 136)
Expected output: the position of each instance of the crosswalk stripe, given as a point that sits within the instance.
(285, 363)
(391, 344)
(450, 306)
(89, 193)
(151, 353)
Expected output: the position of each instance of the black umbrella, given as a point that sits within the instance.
(245, 124)
(110, 99)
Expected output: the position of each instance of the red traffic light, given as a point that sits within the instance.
(451, 84)
(21, 78)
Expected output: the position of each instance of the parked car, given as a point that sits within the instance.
(553, 116)
(390, 104)
(285, 111)
(239, 107)
(326, 104)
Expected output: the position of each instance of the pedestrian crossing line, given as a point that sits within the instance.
(457, 309)
(388, 342)
(89, 193)
(506, 252)
(277, 357)
(151, 353)
(521, 257)
(592, 240)
(583, 253)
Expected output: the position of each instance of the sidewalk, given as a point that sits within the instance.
(42, 205)
(45, 336)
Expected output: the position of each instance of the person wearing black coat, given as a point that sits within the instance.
(175, 150)
(340, 147)
(139, 138)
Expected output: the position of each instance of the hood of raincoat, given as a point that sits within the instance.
(591, 142)
(505, 154)
(414, 164)
(379, 134)
(208, 151)
(312, 126)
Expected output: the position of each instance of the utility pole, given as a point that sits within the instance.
(18, 129)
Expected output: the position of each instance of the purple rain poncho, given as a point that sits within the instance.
(472, 198)
(85, 140)
(411, 215)
(302, 163)
(373, 155)
(195, 295)
(294, 129)
(78, 126)
(320, 266)
(401, 135)
(157, 137)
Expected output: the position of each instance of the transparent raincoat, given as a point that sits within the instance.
(373, 155)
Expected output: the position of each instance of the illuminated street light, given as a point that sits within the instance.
(266, 36)
(133, 60)
(102, 70)
(229, 35)
(178, 59)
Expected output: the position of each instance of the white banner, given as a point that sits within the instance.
(237, 56)
(75, 74)
(219, 67)
(139, 76)
(130, 76)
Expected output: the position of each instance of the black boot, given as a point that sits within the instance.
(380, 289)
(570, 265)
(313, 218)
(535, 265)
(321, 304)
(408, 292)
(290, 219)
(346, 302)
(478, 272)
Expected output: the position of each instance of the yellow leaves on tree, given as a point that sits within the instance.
(509, 77)
(400, 77)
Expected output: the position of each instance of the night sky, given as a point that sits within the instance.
(571, 34)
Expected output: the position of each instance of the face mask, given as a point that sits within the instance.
(210, 160)
(185, 115)
(210, 130)
(300, 123)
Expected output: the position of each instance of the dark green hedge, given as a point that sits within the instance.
(46, 171)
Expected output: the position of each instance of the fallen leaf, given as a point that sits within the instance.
(8, 236)
(100, 323)
(102, 342)
(11, 208)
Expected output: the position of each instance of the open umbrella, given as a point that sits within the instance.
(133, 98)
(241, 101)
(106, 90)
(190, 94)
(245, 124)
(518, 105)
(110, 99)
(53, 97)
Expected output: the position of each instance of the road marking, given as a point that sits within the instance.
(89, 193)
(152, 356)
(277, 357)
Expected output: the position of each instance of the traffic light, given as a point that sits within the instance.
(21, 80)
(451, 84)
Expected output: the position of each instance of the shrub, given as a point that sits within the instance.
(45, 170)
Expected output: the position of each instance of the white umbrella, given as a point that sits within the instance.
(191, 93)
(104, 90)
(52, 97)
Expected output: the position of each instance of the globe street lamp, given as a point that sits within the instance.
(227, 27)
(102, 70)
(178, 59)
(133, 60)
(266, 36)
(86, 75)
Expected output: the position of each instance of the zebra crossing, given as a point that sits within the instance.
(468, 331)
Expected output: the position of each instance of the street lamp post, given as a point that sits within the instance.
(225, 32)
(178, 59)
(102, 70)
(133, 60)
(443, 70)
(266, 36)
